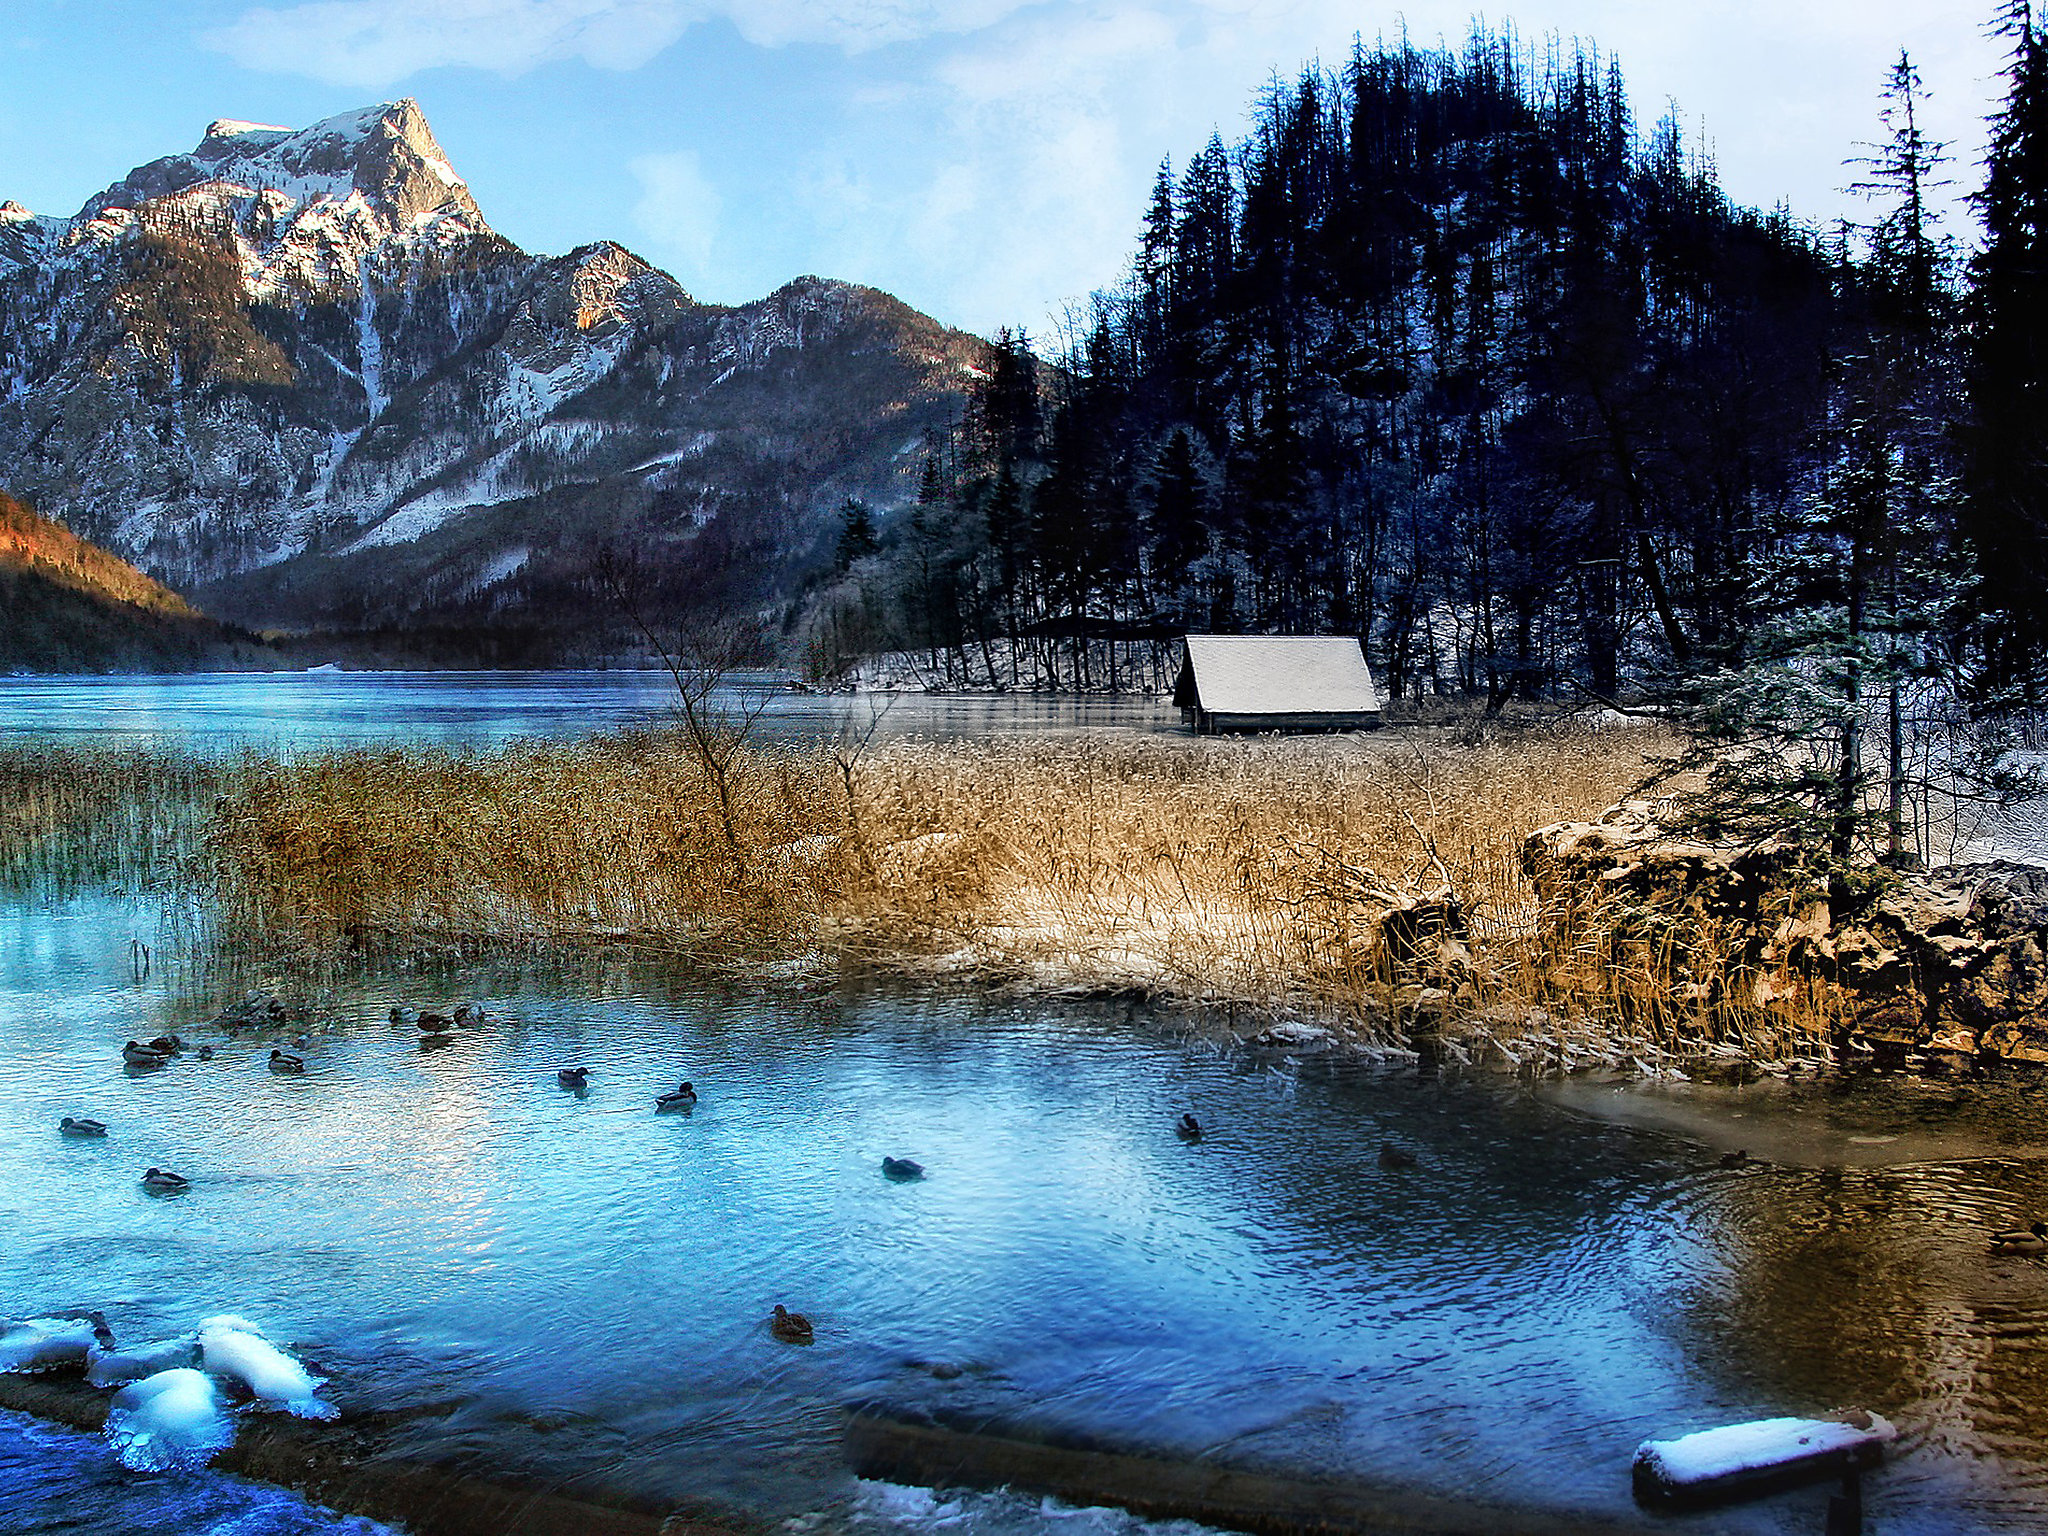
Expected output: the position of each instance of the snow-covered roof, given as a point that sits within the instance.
(1281, 675)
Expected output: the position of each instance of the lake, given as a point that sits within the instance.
(298, 710)
(578, 1287)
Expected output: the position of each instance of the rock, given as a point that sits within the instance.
(1958, 955)
(1293, 1035)
(2016, 1042)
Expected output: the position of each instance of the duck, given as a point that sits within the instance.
(170, 1045)
(1739, 1158)
(2030, 1241)
(1188, 1128)
(1392, 1156)
(572, 1077)
(206, 1053)
(136, 1054)
(400, 1014)
(790, 1327)
(471, 1015)
(285, 1061)
(81, 1126)
(164, 1180)
(433, 1023)
(684, 1097)
(902, 1169)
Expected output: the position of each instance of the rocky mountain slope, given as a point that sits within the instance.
(69, 606)
(297, 372)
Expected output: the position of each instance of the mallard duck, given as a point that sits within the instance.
(170, 1045)
(1188, 1128)
(1392, 1156)
(434, 1023)
(285, 1061)
(471, 1015)
(206, 1053)
(136, 1054)
(572, 1077)
(81, 1127)
(165, 1181)
(684, 1097)
(2031, 1241)
(790, 1327)
(902, 1169)
(1739, 1158)
(400, 1014)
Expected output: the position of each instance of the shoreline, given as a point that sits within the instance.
(349, 1466)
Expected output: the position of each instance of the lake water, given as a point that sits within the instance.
(579, 1287)
(227, 710)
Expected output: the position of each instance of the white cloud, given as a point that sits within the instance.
(375, 43)
(989, 159)
(678, 211)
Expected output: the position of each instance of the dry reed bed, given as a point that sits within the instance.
(77, 817)
(1373, 882)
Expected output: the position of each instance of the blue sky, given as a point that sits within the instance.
(986, 160)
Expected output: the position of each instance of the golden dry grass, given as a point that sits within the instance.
(1376, 882)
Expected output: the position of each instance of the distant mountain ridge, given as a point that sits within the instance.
(298, 372)
(67, 605)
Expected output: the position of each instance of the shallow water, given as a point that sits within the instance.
(58, 1482)
(582, 1285)
(215, 711)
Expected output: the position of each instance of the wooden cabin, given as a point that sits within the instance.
(1275, 683)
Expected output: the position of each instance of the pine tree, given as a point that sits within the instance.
(2007, 510)
(857, 539)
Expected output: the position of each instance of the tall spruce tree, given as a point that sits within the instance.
(2007, 509)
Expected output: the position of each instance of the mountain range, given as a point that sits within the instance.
(296, 375)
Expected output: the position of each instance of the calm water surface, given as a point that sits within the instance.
(577, 1288)
(209, 711)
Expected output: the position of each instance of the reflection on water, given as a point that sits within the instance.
(582, 1286)
(214, 711)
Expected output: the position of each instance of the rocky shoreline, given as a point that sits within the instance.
(354, 1466)
(1943, 969)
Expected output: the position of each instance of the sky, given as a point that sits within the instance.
(985, 160)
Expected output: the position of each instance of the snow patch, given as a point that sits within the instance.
(1717, 1455)
(170, 1421)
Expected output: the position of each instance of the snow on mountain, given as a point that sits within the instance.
(293, 346)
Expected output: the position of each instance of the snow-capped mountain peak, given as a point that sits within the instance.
(387, 153)
(295, 346)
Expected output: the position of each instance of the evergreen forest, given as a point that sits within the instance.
(1447, 354)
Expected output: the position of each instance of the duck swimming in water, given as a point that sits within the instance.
(1392, 1156)
(790, 1327)
(572, 1077)
(2028, 1241)
(1188, 1128)
(170, 1045)
(206, 1053)
(433, 1024)
(164, 1181)
(684, 1097)
(285, 1061)
(901, 1169)
(81, 1127)
(136, 1054)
